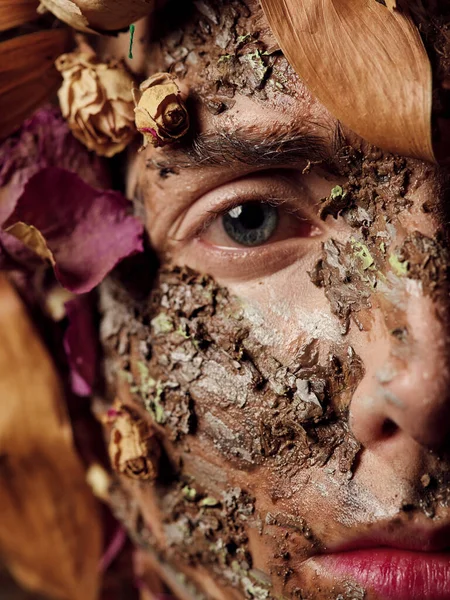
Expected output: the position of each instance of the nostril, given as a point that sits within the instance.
(388, 428)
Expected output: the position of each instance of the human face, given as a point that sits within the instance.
(292, 358)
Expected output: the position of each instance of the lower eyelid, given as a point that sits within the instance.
(245, 263)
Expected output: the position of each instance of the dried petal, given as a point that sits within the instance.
(44, 141)
(99, 15)
(56, 521)
(67, 11)
(17, 12)
(88, 231)
(97, 102)
(133, 447)
(80, 345)
(33, 239)
(161, 115)
(28, 77)
(365, 63)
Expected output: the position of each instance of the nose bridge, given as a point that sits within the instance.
(407, 389)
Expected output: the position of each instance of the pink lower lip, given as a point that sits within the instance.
(394, 574)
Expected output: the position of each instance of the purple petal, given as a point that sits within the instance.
(43, 141)
(88, 230)
(80, 345)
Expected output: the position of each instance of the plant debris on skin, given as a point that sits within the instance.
(372, 200)
(427, 260)
(237, 61)
(198, 362)
(199, 530)
(187, 357)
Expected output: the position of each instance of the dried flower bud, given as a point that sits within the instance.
(96, 100)
(99, 15)
(160, 113)
(133, 447)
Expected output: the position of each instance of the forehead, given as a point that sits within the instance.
(221, 47)
(235, 78)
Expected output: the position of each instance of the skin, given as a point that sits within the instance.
(394, 407)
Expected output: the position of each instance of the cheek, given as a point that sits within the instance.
(245, 438)
(286, 311)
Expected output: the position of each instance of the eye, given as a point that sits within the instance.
(255, 223)
(251, 224)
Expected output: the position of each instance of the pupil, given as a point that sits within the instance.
(251, 224)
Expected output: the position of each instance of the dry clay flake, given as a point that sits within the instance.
(186, 355)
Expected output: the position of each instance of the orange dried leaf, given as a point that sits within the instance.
(366, 64)
(50, 536)
(17, 12)
(28, 77)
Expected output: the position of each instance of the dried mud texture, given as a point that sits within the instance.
(374, 180)
(218, 43)
(373, 201)
(200, 530)
(212, 532)
(426, 260)
(193, 359)
(432, 490)
(186, 357)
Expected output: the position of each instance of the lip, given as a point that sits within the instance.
(392, 573)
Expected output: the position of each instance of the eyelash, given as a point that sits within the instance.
(214, 214)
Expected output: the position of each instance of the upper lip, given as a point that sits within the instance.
(413, 539)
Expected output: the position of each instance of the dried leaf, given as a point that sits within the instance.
(365, 64)
(28, 77)
(69, 12)
(33, 239)
(44, 141)
(99, 15)
(88, 231)
(17, 12)
(161, 115)
(391, 4)
(96, 101)
(51, 537)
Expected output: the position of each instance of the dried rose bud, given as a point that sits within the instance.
(99, 15)
(133, 447)
(96, 100)
(160, 113)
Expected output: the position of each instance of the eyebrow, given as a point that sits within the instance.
(225, 149)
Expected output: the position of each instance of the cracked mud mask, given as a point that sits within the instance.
(240, 430)
(250, 451)
(281, 388)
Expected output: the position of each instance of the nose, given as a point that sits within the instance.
(406, 388)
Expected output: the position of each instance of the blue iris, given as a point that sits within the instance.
(251, 224)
